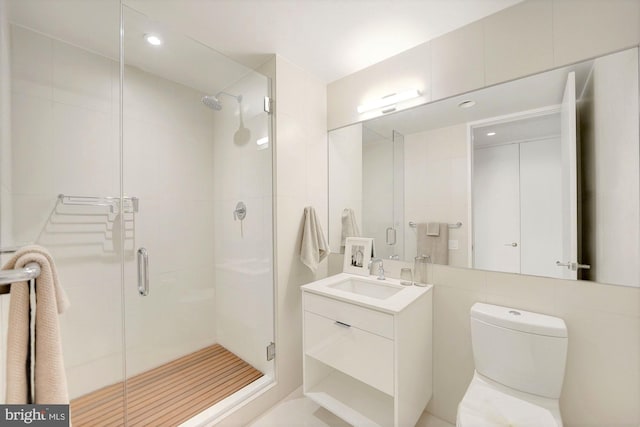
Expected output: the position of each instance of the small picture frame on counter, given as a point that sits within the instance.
(357, 254)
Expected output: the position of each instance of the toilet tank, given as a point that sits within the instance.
(519, 349)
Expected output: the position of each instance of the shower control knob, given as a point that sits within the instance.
(240, 212)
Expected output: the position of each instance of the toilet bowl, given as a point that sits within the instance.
(520, 359)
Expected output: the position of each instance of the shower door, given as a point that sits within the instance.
(198, 275)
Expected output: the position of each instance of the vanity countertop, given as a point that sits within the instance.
(401, 295)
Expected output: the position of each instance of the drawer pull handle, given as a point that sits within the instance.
(346, 325)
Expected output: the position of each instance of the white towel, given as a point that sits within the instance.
(349, 226)
(437, 247)
(49, 378)
(313, 248)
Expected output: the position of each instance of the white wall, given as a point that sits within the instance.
(612, 171)
(435, 177)
(602, 383)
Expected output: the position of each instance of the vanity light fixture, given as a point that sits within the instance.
(388, 100)
(467, 104)
(153, 39)
(490, 133)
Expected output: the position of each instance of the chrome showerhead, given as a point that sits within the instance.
(212, 102)
(243, 134)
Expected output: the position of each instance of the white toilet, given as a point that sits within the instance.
(519, 358)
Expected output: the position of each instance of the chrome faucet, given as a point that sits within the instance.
(380, 267)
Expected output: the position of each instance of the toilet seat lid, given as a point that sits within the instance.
(484, 406)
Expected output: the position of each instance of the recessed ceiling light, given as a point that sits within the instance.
(467, 104)
(153, 39)
(491, 133)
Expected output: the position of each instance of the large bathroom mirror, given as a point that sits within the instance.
(537, 176)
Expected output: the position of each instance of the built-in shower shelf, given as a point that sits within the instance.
(130, 204)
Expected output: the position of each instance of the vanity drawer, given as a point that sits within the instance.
(362, 318)
(365, 356)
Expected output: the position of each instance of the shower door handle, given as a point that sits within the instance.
(143, 272)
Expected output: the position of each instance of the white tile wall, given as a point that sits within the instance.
(527, 50)
(587, 28)
(458, 61)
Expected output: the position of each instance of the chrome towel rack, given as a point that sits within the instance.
(113, 203)
(29, 272)
(456, 225)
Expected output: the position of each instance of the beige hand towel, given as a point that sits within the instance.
(349, 226)
(313, 248)
(49, 378)
(437, 247)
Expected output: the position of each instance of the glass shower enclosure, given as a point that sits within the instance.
(146, 170)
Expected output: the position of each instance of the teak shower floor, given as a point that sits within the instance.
(169, 394)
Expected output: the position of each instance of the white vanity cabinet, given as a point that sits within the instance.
(368, 360)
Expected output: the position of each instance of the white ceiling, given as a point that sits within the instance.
(328, 38)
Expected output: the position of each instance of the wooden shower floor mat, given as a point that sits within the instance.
(169, 394)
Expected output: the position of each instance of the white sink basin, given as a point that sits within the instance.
(379, 290)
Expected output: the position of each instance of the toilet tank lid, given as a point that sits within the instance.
(519, 320)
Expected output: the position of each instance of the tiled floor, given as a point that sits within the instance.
(296, 410)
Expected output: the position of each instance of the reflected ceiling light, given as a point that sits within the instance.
(490, 133)
(467, 104)
(153, 39)
(263, 143)
(391, 99)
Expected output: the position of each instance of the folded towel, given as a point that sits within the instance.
(313, 248)
(48, 377)
(433, 229)
(349, 226)
(437, 247)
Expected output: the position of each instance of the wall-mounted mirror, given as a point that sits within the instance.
(536, 176)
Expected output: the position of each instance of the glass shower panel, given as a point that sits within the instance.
(378, 193)
(60, 180)
(197, 157)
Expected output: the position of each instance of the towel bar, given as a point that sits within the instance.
(113, 203)
(456, 225)
(30, 271)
